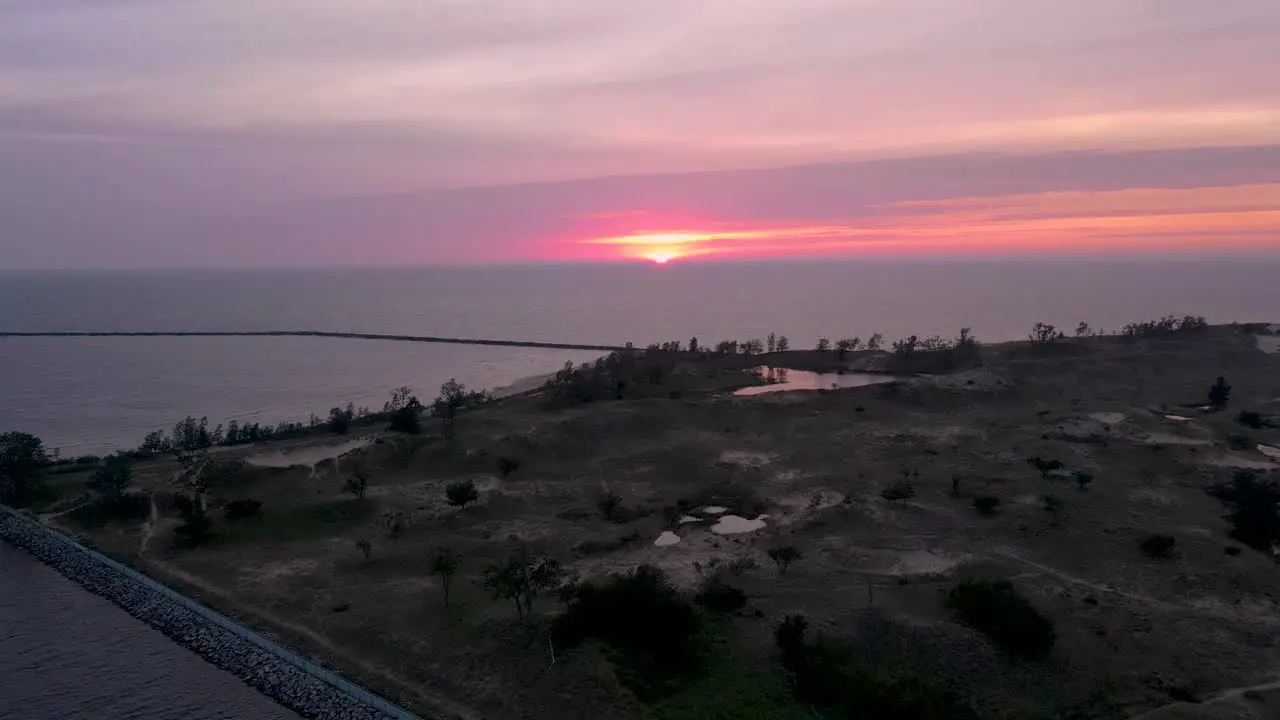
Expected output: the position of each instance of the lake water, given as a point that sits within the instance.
(786, 379)
(66, 653)
(95, 394)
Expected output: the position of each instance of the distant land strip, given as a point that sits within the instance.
(318, 333)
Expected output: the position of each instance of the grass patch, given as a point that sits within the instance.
(730, 690)
(297, 523)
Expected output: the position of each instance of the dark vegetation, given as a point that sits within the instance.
(1255, 508)
(444, 565)
(1219, 393)
(986, 505)
(1166, 326)
(1254, 420)
(1158, 547)
(654, 635)
(824, 675)
(995, 609)
(196, 528)
(720, 597)
(461, 493)
(522, 577)
(934, 354)
(242, 509)
(22, 462)
(1044, 466)
(784, 556)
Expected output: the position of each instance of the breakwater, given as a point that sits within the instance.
(324, 334)
(286, 678)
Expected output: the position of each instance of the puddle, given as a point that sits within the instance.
(784, 379)
(686, 519)
(734, 525)
(1177, 418)
(714, 510)
(1108, 418)
(308, 456)
(667, 538)
(1271, 452)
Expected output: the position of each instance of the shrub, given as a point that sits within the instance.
(242, 509)
(986, 505)
(365, 546)
(1082, 479)
(995, 609)
(113, 477)
(1045, 466)
(654, 632)
(405, 420)
(1043, 333)
(825, 677)
(1219, 393)
(784, 556)
(1240, 441)
(1255, 509)
(196, 529)
(609, 505)
(1052, 503)
(460, 493)
(521, 578)
(720, 597)
(507, 465)
(898, 491)
(1251, 419)
(1158, 547)
(357, 485)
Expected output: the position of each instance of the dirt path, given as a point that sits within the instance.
(1257, 618)
(441, 706)
(1231, 695)
(148, 530)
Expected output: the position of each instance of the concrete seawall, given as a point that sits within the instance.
(290, 680)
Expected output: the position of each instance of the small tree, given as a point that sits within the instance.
(899, 491)
(1158, 547)
(986, 505)
(783, 557)
(340, 419)
(111, 480)
(1044, 333)
(508, 465)
(365, 546)
(1052, 503)
(357, 485)
(875, 342)
(823, 345)
(609, 505)
(405, 419)
(1083, 330)
(783, 344)
(521, 578)
(771, 343)
(1219, 393)
(444, 563)
(196, 528)
(1082, 479)
(461, 493)
(22, 459)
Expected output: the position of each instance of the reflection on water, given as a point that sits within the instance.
(66, 653)
(781, 379)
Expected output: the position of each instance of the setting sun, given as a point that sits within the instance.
(661, 258)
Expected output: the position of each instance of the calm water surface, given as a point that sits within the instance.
(95, 394)
(66, 653)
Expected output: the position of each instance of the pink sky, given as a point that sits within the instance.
(230, 132)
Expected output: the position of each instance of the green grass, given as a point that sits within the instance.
(297, 523)
(730, 690)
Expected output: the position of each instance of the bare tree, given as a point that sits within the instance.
(444, 563)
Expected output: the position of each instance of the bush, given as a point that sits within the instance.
(995, 609)
(1158, 547)
(899, 491)
(1082, 478)
(656, 634)
(825, 677)
(1255, 509)
(609, 505)
(1253, 420)
(986, 505)
(460, 493)
(722, 598)
(1045, 466)
(784, 556)
(508, 465)
(405, 420)
(242, 509)
(196, 529)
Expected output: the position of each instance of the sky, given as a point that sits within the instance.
(228, 133)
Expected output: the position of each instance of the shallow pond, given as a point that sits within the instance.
(785, 379)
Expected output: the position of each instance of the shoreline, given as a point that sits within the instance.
(279, 674)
